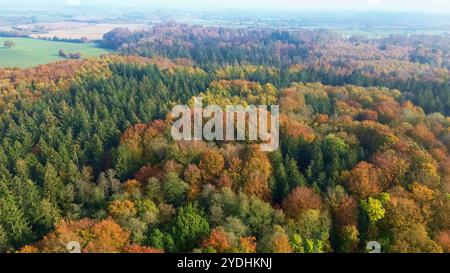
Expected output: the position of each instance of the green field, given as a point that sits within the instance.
(31, 52)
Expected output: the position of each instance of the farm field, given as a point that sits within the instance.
(31, 52)
(76, 30)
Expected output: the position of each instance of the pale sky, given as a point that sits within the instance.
(437, 6)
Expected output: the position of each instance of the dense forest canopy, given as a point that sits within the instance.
(416, 64)
(86, 153)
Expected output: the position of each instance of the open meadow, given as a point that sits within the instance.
(31, 52)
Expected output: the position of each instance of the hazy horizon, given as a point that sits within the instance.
(415, 6)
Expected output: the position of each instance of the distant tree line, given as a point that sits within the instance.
(81, 40)
(5, 33)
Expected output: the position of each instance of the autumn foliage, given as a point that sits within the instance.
(86, 154)
(300, 200)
